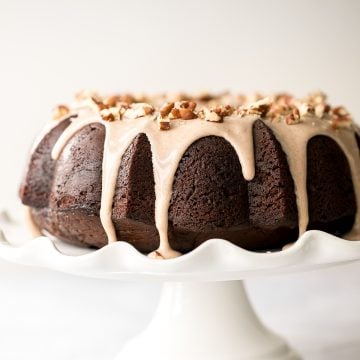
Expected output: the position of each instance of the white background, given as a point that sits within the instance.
(49, 50)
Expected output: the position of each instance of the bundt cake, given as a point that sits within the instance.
(166, 174)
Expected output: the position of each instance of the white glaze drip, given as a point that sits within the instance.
(119, 135)
(168, 148)
(47, 129)
(84, 118)
(349, 147)
(294, 140)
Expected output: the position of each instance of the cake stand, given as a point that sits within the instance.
(204, 312)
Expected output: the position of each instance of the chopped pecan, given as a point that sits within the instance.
(60, 111)
(321, 109)
(340, 118)
(261, 108)
(166, 108)
(138, 110)
(317, 97)
(174, 113)
(99, 103)
(187, 114)
(111, 114)
(306, 109)
(217, 113)
(294, 117)
(164, 124)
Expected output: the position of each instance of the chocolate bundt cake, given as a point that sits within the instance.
(165, 174)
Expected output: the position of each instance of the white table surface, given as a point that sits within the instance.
(48, 315)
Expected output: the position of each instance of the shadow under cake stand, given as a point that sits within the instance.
(204, 312)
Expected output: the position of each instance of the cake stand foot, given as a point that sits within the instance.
(209, 321)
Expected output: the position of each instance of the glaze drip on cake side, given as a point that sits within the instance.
(123, 123)
(166, 157)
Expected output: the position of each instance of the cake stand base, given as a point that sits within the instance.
(204, 313)
(206, 320)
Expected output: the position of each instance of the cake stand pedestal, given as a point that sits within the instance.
(204, 312)
(207, 320)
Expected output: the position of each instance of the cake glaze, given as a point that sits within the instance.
(293, 123)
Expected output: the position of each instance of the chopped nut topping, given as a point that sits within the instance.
(138, 110)
(86, 94)
(255, 97)
(100, 105)
(175, 97)
(260, 108)
(317, 97)
(184, 110)
(164, 124)
(191, 105)
(164, 115)
(204, 96)
(181, 110)
(127, 98)
(187, 114)
(211, 115)
(166, 108)
(174, 114)
(148, 109)
(294, 117)
(111, 114)
(216, 114)
(142, 97)
(305, 109)
(340, 111)
(340, 118)
(321, 109)
(337, 123)
(226, 110)
(281, 107)
(60, 111)
(294, 111)
(283, 99)
(112, 100)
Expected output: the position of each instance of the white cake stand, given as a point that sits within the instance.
(204, 312)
